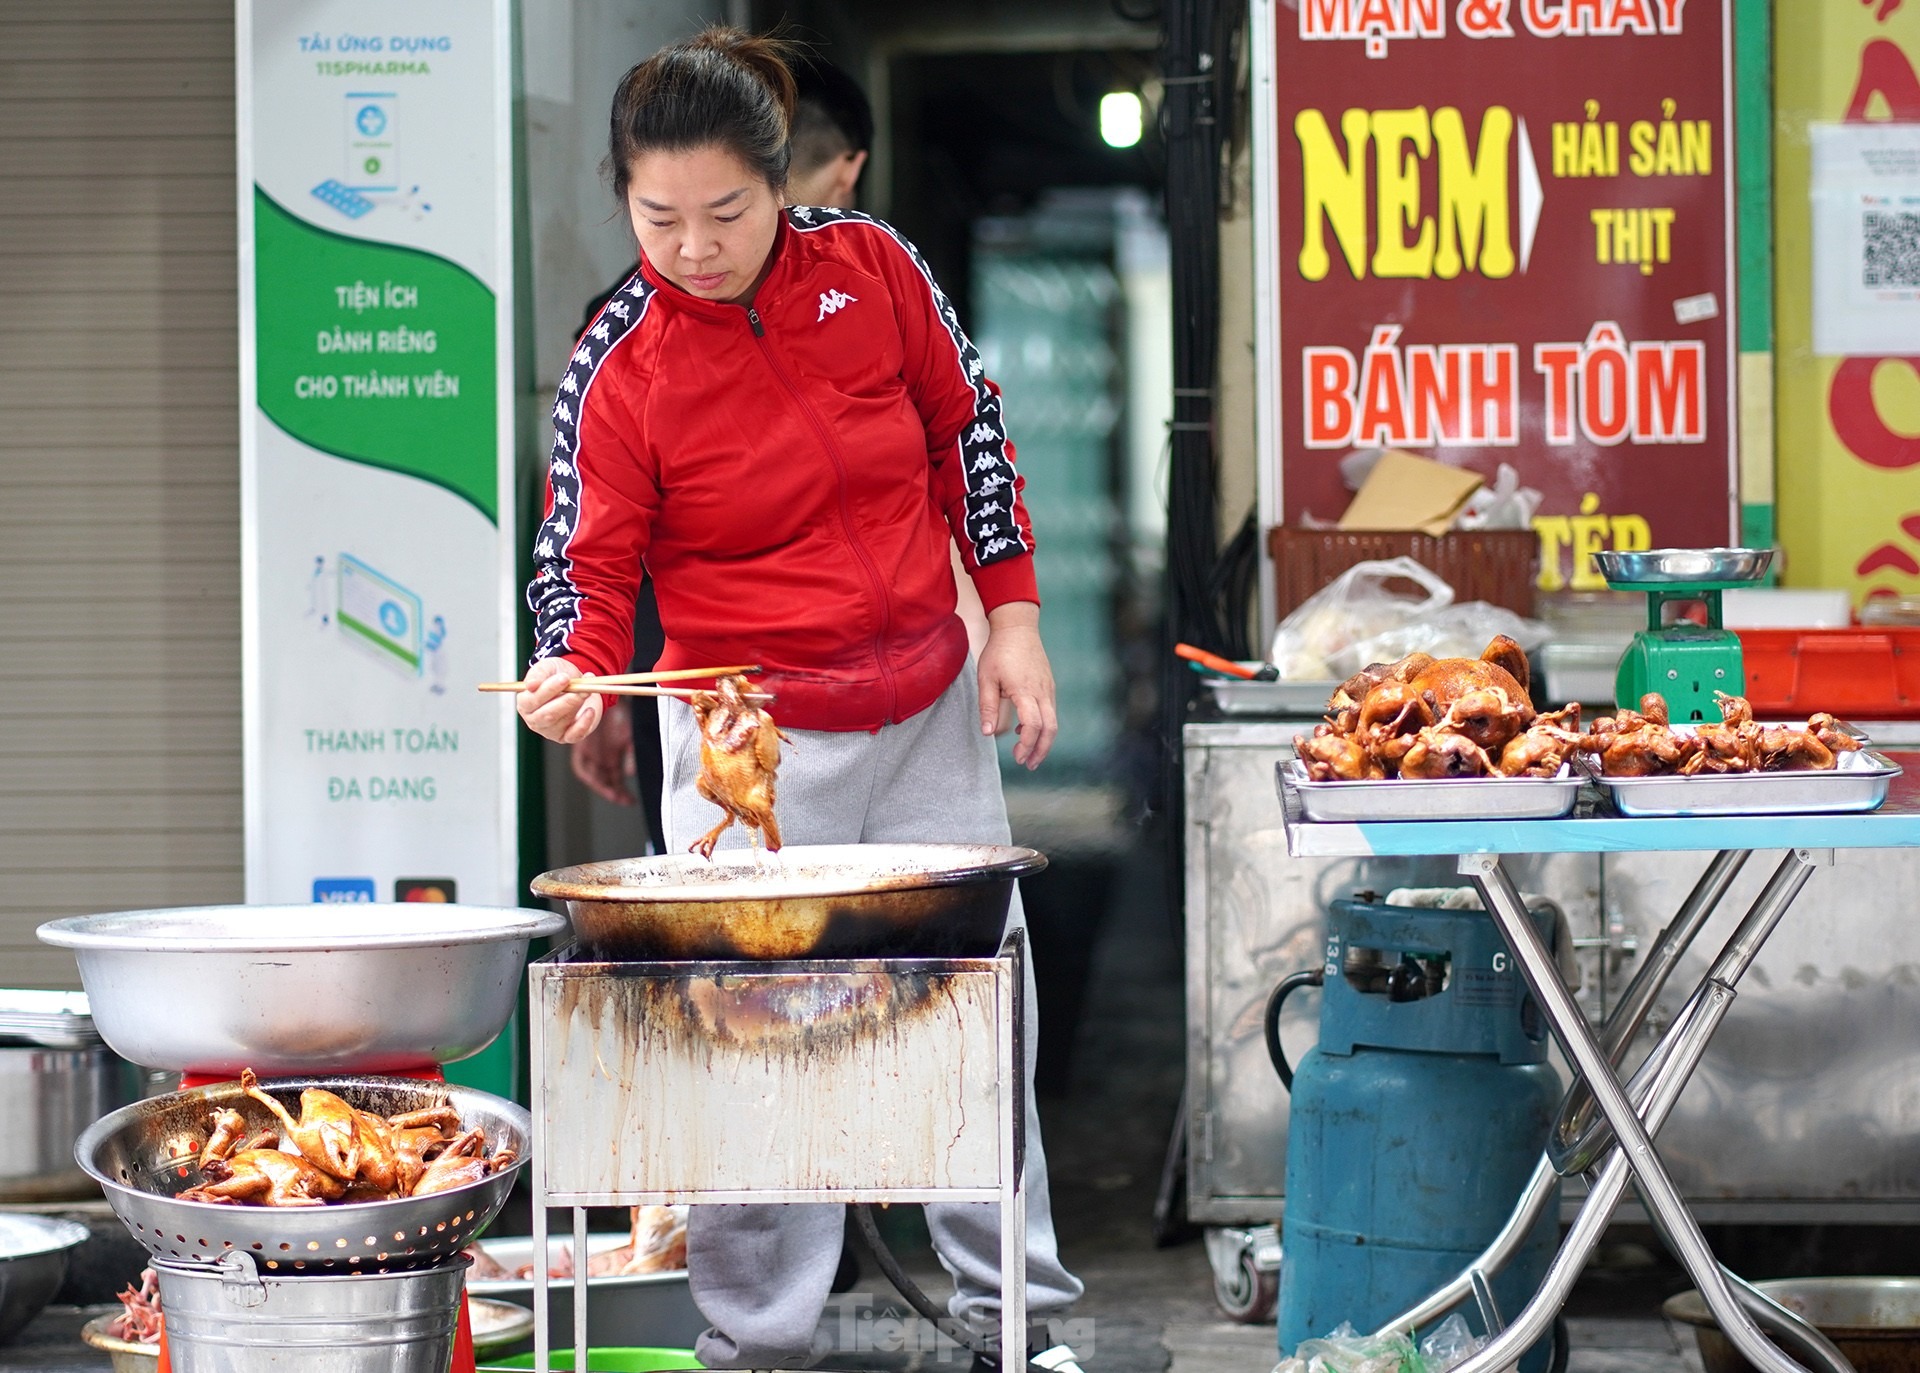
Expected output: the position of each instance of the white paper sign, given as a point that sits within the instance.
(376, 412)
(1866, 239)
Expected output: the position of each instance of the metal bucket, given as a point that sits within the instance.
(226, 1317)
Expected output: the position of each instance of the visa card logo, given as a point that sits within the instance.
(337, 889)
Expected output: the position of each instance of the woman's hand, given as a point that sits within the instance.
(604, 759)
(1014, 668)
(553, 712)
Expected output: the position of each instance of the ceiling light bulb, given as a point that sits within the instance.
(1120, 119)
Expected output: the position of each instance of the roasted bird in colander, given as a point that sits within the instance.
(333, 1151)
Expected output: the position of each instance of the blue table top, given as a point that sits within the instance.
(1594, 827)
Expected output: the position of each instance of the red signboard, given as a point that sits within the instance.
(1505, 235)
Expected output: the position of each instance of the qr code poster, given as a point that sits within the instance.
(1866, 239)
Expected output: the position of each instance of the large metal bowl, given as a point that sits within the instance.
(144, 1154)
(1874, 1321)
(341, 988)
(807, 901)
(33, 1263)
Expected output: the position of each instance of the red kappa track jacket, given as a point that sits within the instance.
(788, 473)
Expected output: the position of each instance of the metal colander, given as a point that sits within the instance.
(142, 1155)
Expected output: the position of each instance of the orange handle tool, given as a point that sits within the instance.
(1214, 661)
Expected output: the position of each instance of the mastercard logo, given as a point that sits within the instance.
(439, 889)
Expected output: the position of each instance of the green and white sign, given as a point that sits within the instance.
(376, 449)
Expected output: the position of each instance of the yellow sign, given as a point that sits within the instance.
(1849, 427)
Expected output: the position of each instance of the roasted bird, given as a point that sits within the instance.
(327, 1133)
(265, 1177)
(1334, 757)
(1733, 745)
(1543, 748)
(1426, 717)
(657, 1243)
(739, 754)
(1642, 743)
(335, 1152)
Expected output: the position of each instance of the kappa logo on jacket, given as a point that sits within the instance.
(832, 302)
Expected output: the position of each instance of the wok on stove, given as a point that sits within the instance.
(804, 902)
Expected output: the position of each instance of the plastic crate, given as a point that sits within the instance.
(1860, 674)
(1495, 565)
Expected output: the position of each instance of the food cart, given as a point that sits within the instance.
(1796, 1075)
(1619, 1140)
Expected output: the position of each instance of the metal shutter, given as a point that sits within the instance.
(119, 467)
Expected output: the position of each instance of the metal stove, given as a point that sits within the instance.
(852, 1080)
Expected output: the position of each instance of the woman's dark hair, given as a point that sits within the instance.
(721, 88)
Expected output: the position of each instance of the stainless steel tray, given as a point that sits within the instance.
(1452, 798)
(1859, 782)
(1305, 699)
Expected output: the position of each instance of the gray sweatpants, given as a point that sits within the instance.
(761, 1274)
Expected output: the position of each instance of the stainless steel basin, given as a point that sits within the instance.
(345, 989)
(33, 1262)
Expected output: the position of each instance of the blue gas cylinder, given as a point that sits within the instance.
(1417, 1120)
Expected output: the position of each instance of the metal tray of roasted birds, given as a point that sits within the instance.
(1857, 781)
(1443, 798)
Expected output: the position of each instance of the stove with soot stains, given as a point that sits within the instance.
(827, 1024)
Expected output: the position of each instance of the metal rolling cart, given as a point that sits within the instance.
(1606, 1127)
(851, 1080)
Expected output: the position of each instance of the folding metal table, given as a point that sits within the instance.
(1606, 1127)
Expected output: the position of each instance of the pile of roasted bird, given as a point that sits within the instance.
(334, 1152)
(1642, 743)
(657, 1243)
(1426, 717)
(1423, 718)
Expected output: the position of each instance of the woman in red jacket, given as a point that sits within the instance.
(779, 419)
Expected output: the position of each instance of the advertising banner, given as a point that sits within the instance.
(1501, 231)
(1848, 233)
(376, 449)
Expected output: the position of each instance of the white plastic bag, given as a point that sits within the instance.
(1504, 505)
(1450, 1342)
(1355, 607)
(1453, 631)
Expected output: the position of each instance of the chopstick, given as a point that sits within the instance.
(585, 685)
(638, 678)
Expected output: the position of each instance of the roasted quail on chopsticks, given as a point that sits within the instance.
(739, 754)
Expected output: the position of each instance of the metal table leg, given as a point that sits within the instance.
(1576, 1109)
(1662, 1198)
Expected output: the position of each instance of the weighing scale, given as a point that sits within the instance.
(1685, 662)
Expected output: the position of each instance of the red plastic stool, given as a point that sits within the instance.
(463, 1358)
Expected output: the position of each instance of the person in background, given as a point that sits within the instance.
(779, 420)
(832, 137)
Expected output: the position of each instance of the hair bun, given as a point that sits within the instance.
(721, 88)
(770, 59)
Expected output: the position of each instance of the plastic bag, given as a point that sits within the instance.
(1504, 505)
(1450, 631)
(1450, 1342)
(1355, 607)
(1348, 1351)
